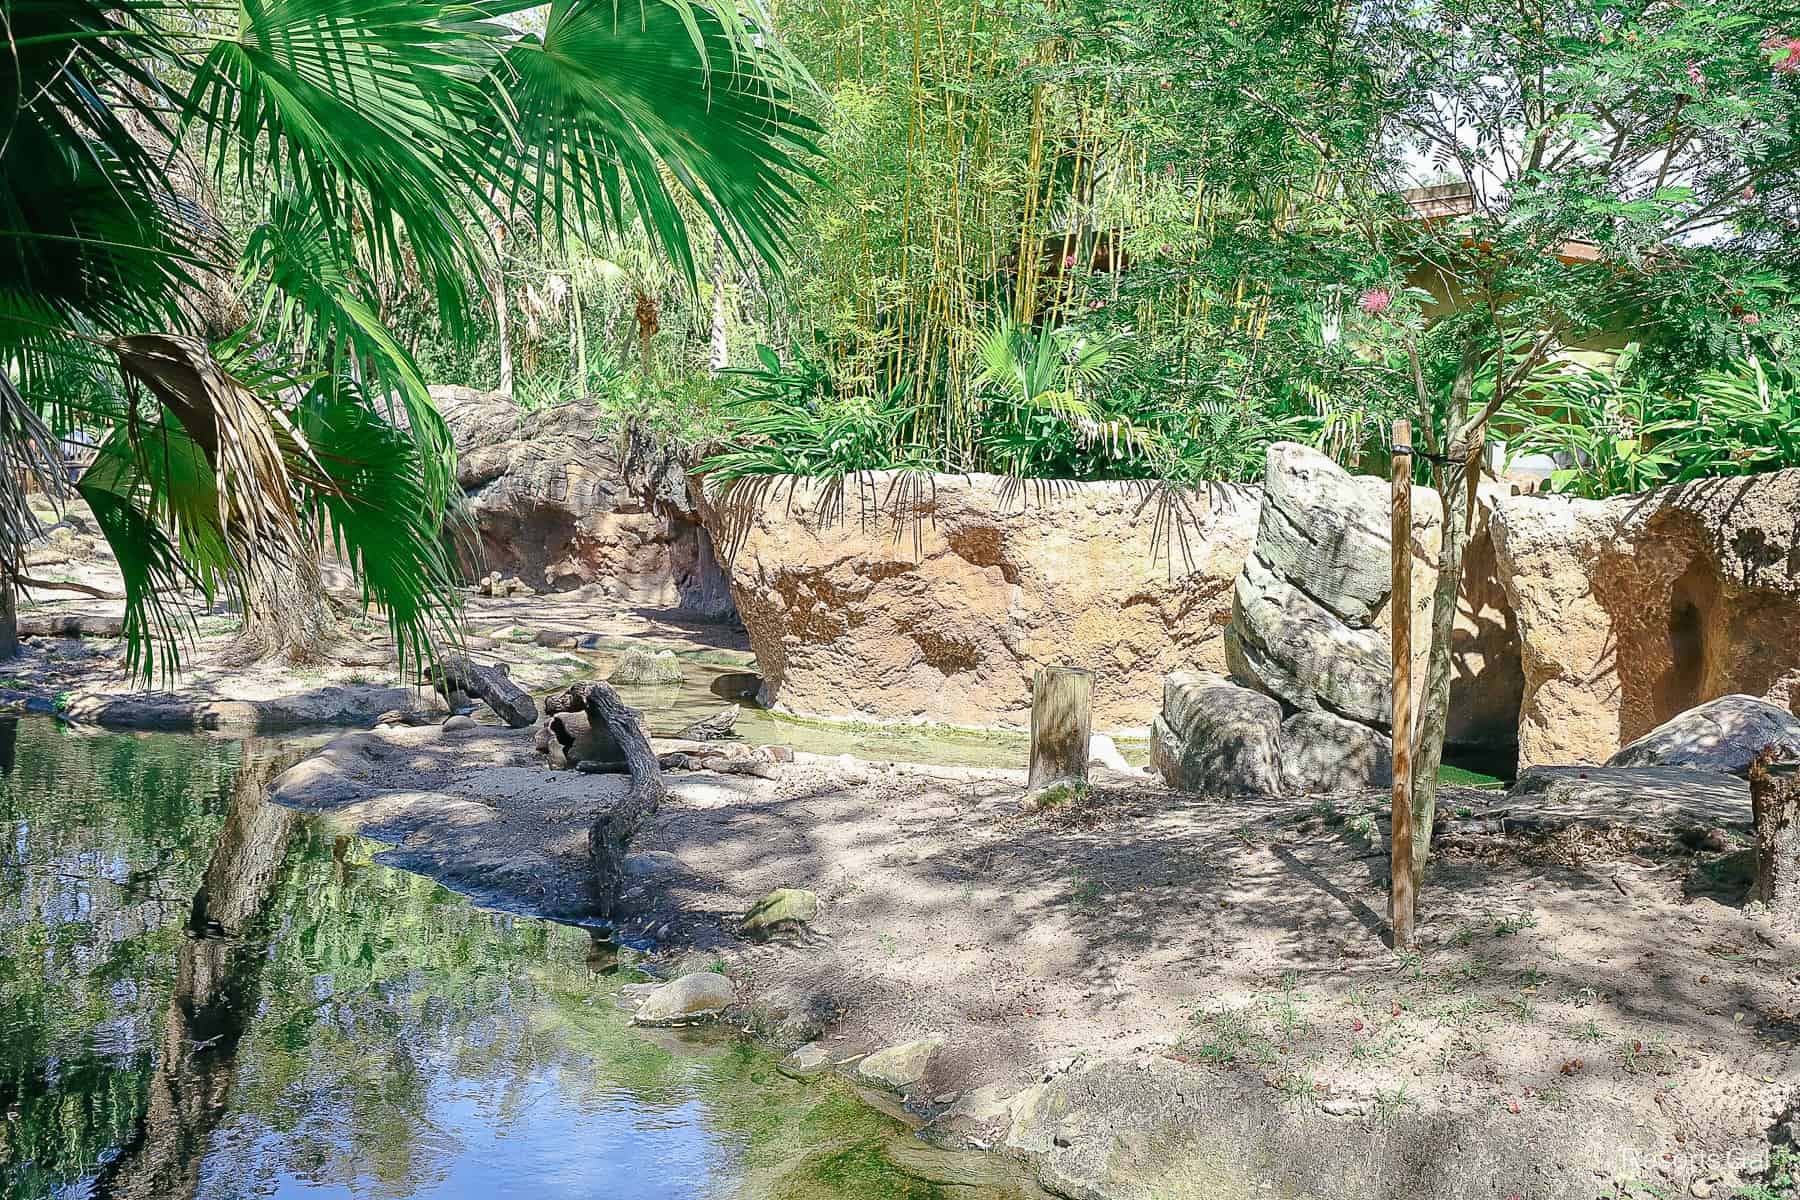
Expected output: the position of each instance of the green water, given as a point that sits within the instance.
(204, 995)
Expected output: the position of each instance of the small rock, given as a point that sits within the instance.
(1103, 751)
(945, 1098)
(782, 910)
(459, 724)
(1341, 1106)
(639, 666)
(779, 754)
(690, 998)
(899, 1067)
(809, 1060)
(1700, 1189)
(646, 863)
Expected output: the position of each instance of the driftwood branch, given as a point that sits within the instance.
(67, 585)
(458, 673)
(614, 824)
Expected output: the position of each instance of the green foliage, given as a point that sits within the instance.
(206, 212)
(1616, 431)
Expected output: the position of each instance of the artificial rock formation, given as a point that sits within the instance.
(882, 598)
(1310, 621)
(561, 506)
(1635, 609)
(1217, 737)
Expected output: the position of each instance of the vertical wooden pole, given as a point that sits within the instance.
(1402, 902)
(1061, 722)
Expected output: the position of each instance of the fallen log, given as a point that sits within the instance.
(70, 625)
(510, 702)
(68, 585)
(713, 728)
(609, 836)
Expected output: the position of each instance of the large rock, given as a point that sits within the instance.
(1287, 645)
(884, 600)
(1327, 755)
(562, 506)
(1635, 609)
(1310, 614)
(1721, 735)
(1217, 738)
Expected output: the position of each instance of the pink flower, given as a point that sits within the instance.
(1376, 301)
(1789, 62)
(1068, 260)
(1751, 318)
(1096, 304)
(1694, 76)
(1749, 192)
(1166, 248)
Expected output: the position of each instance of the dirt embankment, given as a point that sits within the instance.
(1160, 995)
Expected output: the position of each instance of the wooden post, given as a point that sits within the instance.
(1775, 804)
(1402, 902)
(1061, 721)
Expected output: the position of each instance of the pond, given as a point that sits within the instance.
(203, 994)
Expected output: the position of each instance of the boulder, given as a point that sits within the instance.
(558, 504)
(691, 998)
(1217, 738)
(1721, 735)
(638, 666)
(784, 910)
(900, 1067)
(1287, 645)
(887, 598)
(806, 1061)
(1635, 609)
(1327, 755)
(1309, 618)
(1326, 529)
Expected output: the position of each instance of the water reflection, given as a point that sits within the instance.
(202, 995)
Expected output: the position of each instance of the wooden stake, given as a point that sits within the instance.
(1402, 902)
(1061, 721)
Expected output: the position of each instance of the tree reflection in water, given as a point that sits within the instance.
(203, 996)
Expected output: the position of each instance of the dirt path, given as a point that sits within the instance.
(1591, 1009)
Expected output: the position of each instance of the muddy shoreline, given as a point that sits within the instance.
(1160, 995)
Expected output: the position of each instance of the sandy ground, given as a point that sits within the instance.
(1591, 998)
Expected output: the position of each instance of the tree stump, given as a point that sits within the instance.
(1775, 802)
(1061, 723)
(510, 702)
(614, 824)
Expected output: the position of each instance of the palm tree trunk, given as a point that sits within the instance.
(505, 335)
(289, 618)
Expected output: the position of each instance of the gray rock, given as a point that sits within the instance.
(1326, 530)
(690, 998)
(781, 911)
(647, 863)
(1554, 797)
(1326, 755)
(1216, 737)
(458, 724)
(900, 1067)
(639, 666)
(807, 1061)
(1720, 735)
(1286, 644)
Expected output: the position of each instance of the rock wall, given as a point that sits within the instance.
(557, 504)
(1634, 609)
(892, 599)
